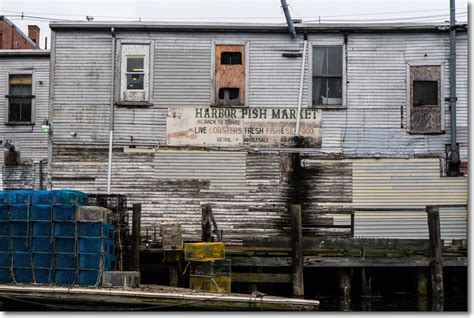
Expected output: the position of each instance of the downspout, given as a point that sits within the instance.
(300, 95)
(111, 132)
(453, 168)
(291, 28)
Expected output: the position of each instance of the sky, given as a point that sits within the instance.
(40, 12)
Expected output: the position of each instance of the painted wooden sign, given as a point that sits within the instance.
(231, 127)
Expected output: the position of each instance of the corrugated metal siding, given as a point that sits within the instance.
(29, 140)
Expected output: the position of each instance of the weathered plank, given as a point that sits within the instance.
(261, 278)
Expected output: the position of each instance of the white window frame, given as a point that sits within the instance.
(442, 65)
(33, 99)
(213, 69)
(326, 43)
(122, 69)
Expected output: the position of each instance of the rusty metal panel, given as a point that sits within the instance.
(229, 75)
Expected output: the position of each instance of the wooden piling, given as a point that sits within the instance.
(436, 258)
(136, 238)
(344, 289)
(297, 250)
(422, 290)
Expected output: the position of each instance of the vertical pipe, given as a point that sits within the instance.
(454, 157)
(291, 28)
(111, 133)
(297, 250)
(136, 238)
(300, 94)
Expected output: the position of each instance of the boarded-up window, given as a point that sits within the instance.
(327, 75)
(230, 75)
(20, 98)
(425, 99)
(135, 73)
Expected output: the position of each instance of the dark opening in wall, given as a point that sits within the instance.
(227, 93)
(425, 93)
(228, 58)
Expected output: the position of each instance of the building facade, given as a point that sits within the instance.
(12, 38)
(179, 115)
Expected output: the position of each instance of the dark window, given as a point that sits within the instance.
(229, 93)
(135, 72)
(20, 98)
(327, 75)
(231, 58)
(425, 93)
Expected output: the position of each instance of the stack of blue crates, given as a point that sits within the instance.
(43, 242)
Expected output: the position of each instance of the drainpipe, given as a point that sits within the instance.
(454, 155)
(300, 96)
(291, 28)
(111, 133)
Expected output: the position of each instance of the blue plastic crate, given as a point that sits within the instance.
(41, 228)
(41, 212)
(5, 275)
(65, 245)
(64, 212)
(96, 229)
(21, 260)
(23, 275)
(42, 260)
(2, 197)
(65, 277)
(89, 278)
(5, 259)
(66, 261)
(41, 245)
(43, 276)
(19, 228)
(96, 245)
(19, 212)
(64, 229)
(90, 261)
(5, 243)
(70, 197)
(21, 244)
(42, 197)
(4, 215)
(4, 228)
(18, 197)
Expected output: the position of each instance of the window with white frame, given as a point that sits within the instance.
(135, 72)
(20, 98)
(328, 75)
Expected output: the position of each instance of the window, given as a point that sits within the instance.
(135, 88)
(327, 75)
(20, 98)
(424, 99)
(229, 75)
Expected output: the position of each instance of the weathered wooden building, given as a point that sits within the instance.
(24, 84)
(178, 115)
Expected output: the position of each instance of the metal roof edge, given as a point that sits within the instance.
(24, 52)
(253, 27)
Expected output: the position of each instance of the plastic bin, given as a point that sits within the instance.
(19, 212)
(64, 212)
(5, 275)
(41, 212)
(42, 228)
(4, 228)
(18, 197)
(42, 260)
(89, 278)
(65, 245)
(4, 215)
(42, 197)
(21, 244)
(96, 229)
(204, 251)
(23, 275)
(70, 197)
(5, 259)
(64, 229)
(42, 245)
(5, 243)
(65, 277)
(43, 276)
(66, 261)
(21, 260)
(96, 245)
(19, 228)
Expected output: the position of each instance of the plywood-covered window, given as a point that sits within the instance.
(229, 75)
(135, 72)
(425, 100)
(20, 99)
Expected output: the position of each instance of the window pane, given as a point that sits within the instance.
(135, 63)
(319, 61)
(135, 81)
(20, 85)
(231, 58)
(229, 93)
(334, 60)
(425, 93)
(327, 91)
(335, 90)
(319, 86)
(19, 110)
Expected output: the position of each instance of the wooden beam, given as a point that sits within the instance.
(261, 278)
(437, 286)
(297, 250)
(136, 238)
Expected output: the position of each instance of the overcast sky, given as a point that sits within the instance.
(39, 12)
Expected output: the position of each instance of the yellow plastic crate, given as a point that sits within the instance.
(211, 284)
(204, 251)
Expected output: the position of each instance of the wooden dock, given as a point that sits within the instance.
(146, 298)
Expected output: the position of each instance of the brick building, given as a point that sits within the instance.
(11, 36)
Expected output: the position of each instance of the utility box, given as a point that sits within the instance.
(171, 235)
(128, 279)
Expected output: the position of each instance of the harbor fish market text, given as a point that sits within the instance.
(230, 127)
